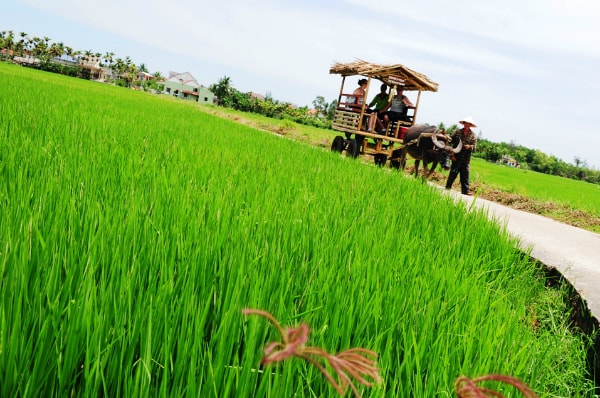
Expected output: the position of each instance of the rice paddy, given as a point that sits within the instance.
(135, 229)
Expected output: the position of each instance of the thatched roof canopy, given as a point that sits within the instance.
(389, 74)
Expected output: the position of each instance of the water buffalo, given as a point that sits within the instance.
(426, 143)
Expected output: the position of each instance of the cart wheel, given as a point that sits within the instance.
(338, 144)
(352, 148)
(380, 159)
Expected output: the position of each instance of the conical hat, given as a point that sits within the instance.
(469, 120)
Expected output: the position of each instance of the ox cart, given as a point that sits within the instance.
(354, 118)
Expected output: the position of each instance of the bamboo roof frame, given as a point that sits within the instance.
(389, 74)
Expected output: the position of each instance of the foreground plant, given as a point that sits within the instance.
(354, 362)
(467, 388)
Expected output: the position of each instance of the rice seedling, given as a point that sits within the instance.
(134, 230)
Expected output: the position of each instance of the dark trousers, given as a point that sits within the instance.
(463, 168)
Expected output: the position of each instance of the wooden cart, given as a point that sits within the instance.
(352, 119)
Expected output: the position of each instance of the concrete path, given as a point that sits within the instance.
(574, 252)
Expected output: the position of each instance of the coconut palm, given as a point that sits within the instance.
(87, 55)
(222, 89)
(56, 50)
(8, 40)
(131, 74)
(108, 58)
(6, 43)
(21, 44)
(39, 47)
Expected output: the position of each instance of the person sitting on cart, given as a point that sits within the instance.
(358, 98)
(379, 104)
(397, 109)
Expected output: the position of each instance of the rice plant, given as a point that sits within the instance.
(134, 229)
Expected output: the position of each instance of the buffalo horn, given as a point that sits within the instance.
(458, 147)
(444, 145)
(441, 145)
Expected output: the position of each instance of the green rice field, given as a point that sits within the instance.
(134, 229)
(544, 187)
(566, 200)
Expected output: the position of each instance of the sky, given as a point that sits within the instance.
(527, 71)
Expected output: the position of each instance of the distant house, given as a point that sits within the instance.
(6, 53)
(256, 96)
(91, 68)
(183, 85)
(65, 59)
(144, 76)
(509, 161)
(27, 60)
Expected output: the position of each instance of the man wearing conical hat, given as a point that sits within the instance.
(462, 161)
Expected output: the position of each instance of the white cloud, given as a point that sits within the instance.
(526, 70)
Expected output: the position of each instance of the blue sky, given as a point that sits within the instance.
(527, 71)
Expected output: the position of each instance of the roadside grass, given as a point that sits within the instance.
(298, 132)
(134, 230)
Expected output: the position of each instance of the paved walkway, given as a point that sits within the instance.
(574, 252)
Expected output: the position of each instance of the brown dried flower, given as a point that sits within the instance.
(352, 363)
(467, 388)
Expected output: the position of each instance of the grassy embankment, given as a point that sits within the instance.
(134, 230)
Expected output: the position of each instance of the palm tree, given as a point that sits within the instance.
(68, 51)
(20, 48)
(46, 41)
(118, 68)
(56, 50)
(39, 47)
(3, 43)
(8, 40)
(33, 44)
(131, 73)
(222, 89)
(108, 58)
(87, 55)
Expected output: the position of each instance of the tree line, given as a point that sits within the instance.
(228, 96)
(124, 71)
(536, 160)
